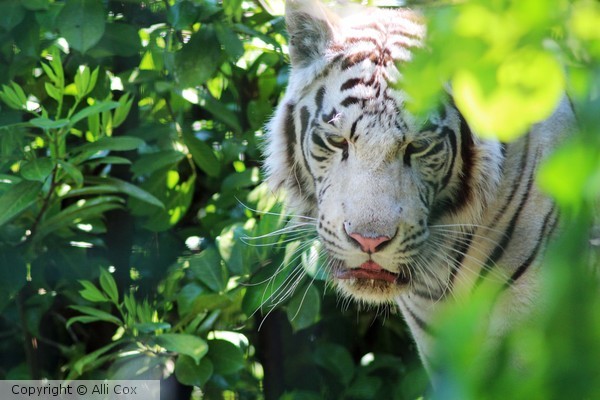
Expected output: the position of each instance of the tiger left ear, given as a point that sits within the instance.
(311, 29)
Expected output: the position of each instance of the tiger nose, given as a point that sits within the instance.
(366, 243)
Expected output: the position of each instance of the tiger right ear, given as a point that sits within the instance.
(311, 29)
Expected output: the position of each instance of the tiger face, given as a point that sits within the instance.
(375, 177)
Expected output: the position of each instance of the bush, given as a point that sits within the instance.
(136, 240)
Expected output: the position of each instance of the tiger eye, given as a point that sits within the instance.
(337, 141)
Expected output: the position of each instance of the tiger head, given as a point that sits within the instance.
(375, 177)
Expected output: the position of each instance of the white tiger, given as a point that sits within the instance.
(410, 213)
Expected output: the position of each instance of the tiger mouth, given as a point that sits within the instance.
(371, 271)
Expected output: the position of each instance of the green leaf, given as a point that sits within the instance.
(98, 315)
(83, 209)
(233, 249)
(36, 5)
(149, 163)
(225, 356)
(38, 169)
(108, 284)
(128, 189)
(17, 199)
(207, 267)
(122, 111)
(149, 327)
(53, 92)
(199, 59)
(182, 14)
(203, 155)
(188, 372)
(73, 172)
(11, 14)
(265, 285)
(304, 308)
(96, 108)
(92, 293)
(220, 111)
(13, 272)
(230, 41)
(120, 39)
(335, 359)
(82, 23)
(84, 361)
(189, 345)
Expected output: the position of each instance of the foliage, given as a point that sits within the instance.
(508, 64)
(136, 240)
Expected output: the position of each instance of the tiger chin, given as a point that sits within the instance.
(411, 212)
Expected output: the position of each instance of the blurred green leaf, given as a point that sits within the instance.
(199, 59)
(304, 308)
(149, 163)
(81, 210)
(82, 23)
(182, 14)
(73, 172)
(225, 356)
(233, 250)
(38, 169)
(336, 360)
(95, 314)
(11, 14)
(203, 155)
(91, 293)
(189, 372)
(46, 123)
(230, 41)
(149, 327)
(108, 284)
(128, 189)
(18, 199)
(207, 267)
(96, 108)
(189, 345)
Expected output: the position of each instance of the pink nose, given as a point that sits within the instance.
(367, 244)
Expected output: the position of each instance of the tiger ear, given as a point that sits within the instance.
(311, 29)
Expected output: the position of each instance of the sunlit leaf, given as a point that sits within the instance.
(189, 345)
(207, 267)
(202, 155)
(128, 189)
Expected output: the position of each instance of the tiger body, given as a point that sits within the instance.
(416, 213)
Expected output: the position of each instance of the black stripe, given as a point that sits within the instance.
(289, 131)
(353, 127)
(319, 99)
(452, 139)
(317, 158)
(348, 101)
(350, 83)
(318, 141)
(420, 323)
(463, 247)
(541, 239)
(515, 187)
(501, 247)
